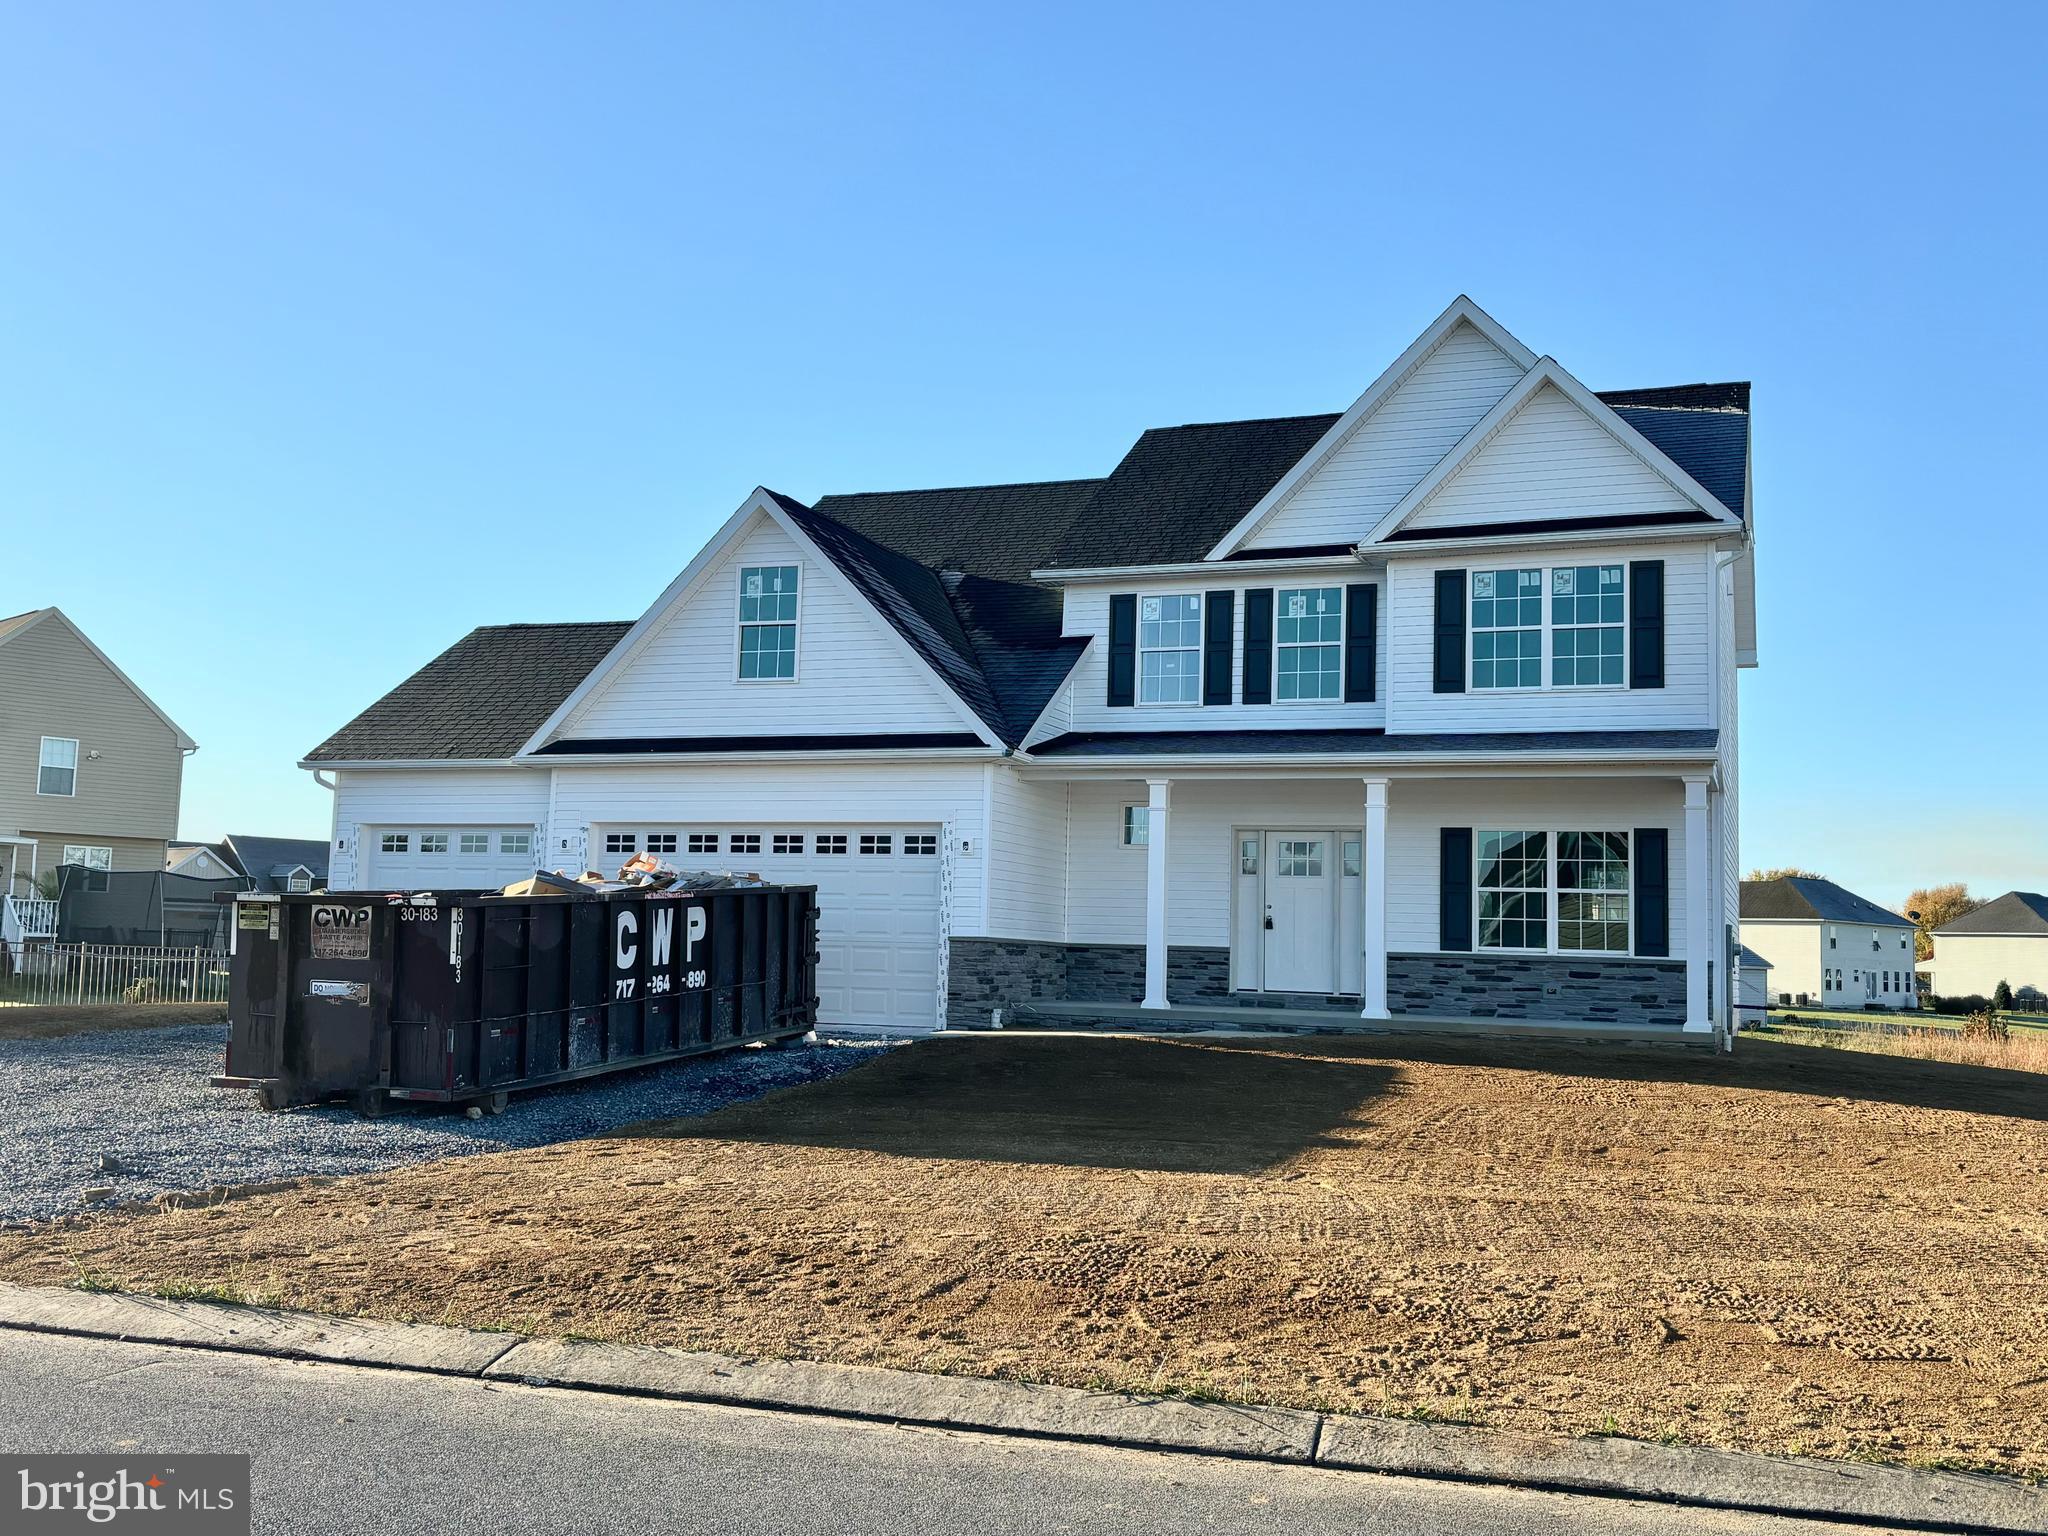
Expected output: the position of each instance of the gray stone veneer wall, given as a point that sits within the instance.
(1537, 987)
(983, 974)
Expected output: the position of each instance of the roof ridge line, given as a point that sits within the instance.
(940, 490)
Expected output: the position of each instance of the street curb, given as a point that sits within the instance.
(1611, 1467)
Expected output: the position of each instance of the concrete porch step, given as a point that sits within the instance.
(1199, 1018)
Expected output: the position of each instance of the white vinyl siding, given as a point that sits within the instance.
(1973, 965)
(1027, 838)
(1550, 459)
(368, 803)
(1443, 398)
(853, 677)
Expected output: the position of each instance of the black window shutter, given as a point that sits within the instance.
(1218, 641)
(1454, 888)
(1123, 649)
(1258, 646)
(1646, 623)
(1361, 643)
(1450, 633)
(1653, 891)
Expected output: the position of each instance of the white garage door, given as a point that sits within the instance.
(878, 903)
(446, 858)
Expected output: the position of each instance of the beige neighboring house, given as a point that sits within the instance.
(2004, 940)
(90, 767)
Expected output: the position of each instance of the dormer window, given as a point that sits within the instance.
(1170, 649)
(767, 622)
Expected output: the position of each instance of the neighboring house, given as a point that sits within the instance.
(1828, 947)
(199, 861)
(1752, 987)
(279, 863)
(90, 768)
(2004, 940)
(1425, 708)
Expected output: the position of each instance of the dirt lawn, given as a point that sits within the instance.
(54, 1021)
(1789, 1250)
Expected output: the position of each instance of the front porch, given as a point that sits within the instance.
(1580, 904)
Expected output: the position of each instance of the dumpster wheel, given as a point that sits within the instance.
(495, 1103)
(270, 1097)
(372, 1103)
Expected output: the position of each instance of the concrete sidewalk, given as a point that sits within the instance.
(1700, 1477)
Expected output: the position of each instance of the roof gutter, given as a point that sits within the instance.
(664, 759)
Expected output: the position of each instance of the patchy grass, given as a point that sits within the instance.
(55, 1021)
(2021, 1052)
(1838, 1250)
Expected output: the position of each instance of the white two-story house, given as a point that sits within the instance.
(1423, 710)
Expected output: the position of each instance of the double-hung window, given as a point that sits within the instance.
(1507, 629)
(1574, 639)
(1562, 892)
(57, 769)
(1308, 638)
(768, 598)
(1170, 649)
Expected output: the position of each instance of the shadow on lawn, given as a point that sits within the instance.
(1169, 1106)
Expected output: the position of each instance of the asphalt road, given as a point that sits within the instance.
(346, 1449)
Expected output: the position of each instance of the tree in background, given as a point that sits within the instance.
(2001, 997)
(1789, 872)
(1932, 907)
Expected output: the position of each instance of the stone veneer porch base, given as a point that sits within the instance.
(986, 974)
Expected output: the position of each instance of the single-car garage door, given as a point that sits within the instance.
(878, 903)
(446, 858)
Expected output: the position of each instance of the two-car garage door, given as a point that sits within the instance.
(878, 892)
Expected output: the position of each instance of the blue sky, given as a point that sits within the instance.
(328, 332)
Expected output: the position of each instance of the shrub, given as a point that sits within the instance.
(1972, 1002)
(1986, 1025)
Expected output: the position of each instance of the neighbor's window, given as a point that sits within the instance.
(1309, 636)
(515, 842)
(96, 861)
(767, 622)
(1586, 626)
(433, 842)
(831, 842)
(395, 842)
(1592, 891)
(1137, 826)
(57, 771)
(621, 842)
(476, 842)
(703, 842)
(921, 843)
(1507, 629)
(1514, 890)
(299, 883)
(1170, 650)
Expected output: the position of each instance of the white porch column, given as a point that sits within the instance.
(1699, 939)
(1374, 985)
(1155, 893)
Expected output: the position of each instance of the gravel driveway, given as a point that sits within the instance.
(141, 1097)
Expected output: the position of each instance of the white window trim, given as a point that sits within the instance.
(100, 848)
(1543, 683)
(72, 792)
(740, 626)
(1200, 648)
(1343, 603)
(1552, 891)
(1124, 826)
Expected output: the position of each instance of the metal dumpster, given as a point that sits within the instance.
(460, 997)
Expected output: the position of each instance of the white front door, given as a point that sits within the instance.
(1301, 912)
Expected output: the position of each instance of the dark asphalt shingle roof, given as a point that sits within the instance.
(261, 857)
(2014, 912)
(1802, 898)
(950, 570)
(480, 698)
(1375, 742)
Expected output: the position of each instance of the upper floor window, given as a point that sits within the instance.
(1507, 629)
(1308, 638)
(1586, 626)
(767, 622)
(1170, 649)
(1580, 630)
(57, 769)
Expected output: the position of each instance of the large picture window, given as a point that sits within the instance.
(1170, 650)
(768, 599)
(57, 768)
(1309, 641)
(1507, 629)
(1514, 890)
(1562, 892)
